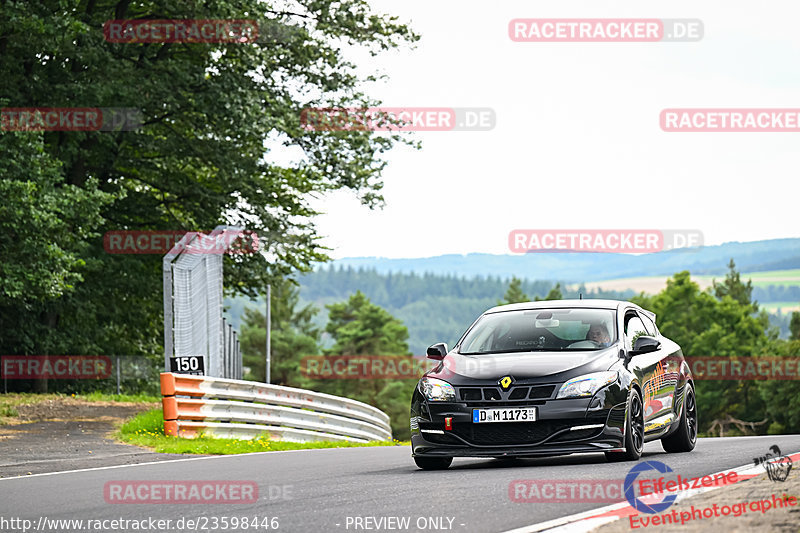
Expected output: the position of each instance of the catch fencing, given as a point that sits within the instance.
(229, 408)
(193, 321)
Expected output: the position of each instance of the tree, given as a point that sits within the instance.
(732, 286)
(213, 117)
(781, 397)
(707, 327)
(794, 326)
(44, 225)
(554, 294)
(293, 336)
(514, 293)
(360, 327)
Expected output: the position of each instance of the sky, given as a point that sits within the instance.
(577, 142)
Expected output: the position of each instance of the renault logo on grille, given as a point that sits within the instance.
(506, 382)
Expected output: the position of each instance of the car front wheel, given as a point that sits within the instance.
(634, 431)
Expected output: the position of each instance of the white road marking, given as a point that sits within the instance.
(166, 461)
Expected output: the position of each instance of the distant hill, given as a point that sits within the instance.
(438, 297)
(434, 308)
(754, 256)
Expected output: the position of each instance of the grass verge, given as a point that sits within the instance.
(147, 430)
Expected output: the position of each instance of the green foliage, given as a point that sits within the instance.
(44, 226)
(781, 397)
(732, 286)
(293, 335)
(554, 294)
(7, 411)
(514, 293)
(148, 422)
(794, 327)
(216, 118)
(359, 327)
(706, 326)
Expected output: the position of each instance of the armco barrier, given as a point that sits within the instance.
(239, 409)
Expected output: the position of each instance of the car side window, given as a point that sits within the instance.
(634, 328)
(649, 325)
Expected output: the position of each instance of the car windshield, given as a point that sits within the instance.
(541, 330)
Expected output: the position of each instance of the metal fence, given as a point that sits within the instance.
(193, 321)
(121, 374)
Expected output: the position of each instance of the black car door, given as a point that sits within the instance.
(648, 367)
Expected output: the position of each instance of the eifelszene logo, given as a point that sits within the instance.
(636, 503)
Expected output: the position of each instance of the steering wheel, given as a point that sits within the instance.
(584, 344)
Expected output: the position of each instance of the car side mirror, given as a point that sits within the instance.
(437, 351)
(645, 344)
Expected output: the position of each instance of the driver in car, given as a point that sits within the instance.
(599, 334)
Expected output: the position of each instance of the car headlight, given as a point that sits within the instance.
(436, 390)
(586, 385)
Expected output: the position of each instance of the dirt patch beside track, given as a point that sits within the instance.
(68, 434)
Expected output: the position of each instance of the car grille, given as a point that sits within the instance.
(494, 394)
(510, 433)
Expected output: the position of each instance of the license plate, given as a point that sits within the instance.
(483, 416)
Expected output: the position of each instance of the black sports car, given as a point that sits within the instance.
(554, 378)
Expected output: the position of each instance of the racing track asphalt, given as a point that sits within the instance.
(325, 487)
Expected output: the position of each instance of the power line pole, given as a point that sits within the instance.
(269, 326)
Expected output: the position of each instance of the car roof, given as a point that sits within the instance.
(587, 303)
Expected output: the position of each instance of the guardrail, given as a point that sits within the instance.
(231, 408)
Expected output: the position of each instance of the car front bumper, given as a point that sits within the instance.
(563, 426)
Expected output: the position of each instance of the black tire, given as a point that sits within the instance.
(685, 437)
(433, 463)
(634, 431)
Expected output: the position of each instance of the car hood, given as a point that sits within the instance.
(461, 369)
